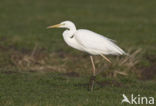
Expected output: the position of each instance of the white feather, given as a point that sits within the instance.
(88, 41)
(97, 44)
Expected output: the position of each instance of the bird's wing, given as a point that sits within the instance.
(94, 41)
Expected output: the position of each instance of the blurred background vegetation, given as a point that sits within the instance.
(26, 46)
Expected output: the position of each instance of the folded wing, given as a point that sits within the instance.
(96, 42)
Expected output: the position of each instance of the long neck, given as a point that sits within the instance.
(72, 29)
(69, 32)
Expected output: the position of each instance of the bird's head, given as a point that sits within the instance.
(64, 24)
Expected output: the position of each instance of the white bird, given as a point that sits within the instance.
(90, 42)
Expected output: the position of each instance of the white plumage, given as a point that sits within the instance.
(97, 44)
(88, 41)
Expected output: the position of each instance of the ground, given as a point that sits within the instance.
(37, 68)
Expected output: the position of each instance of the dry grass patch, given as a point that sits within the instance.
(66, 63)
(121, 65)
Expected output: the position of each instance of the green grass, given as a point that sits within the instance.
(53, 89)
(131, 23)
(23, 25)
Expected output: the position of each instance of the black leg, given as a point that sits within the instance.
(91, 83)
(92, 79)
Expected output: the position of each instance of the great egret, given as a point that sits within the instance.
(90, 42)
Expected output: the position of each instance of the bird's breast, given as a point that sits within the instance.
(71, 41)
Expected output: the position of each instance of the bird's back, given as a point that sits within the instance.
(97, 44)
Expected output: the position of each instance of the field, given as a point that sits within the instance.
(37, 68)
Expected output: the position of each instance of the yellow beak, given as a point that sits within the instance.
(54, 26)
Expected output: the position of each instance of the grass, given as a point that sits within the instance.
(55, 89)
(24, 80)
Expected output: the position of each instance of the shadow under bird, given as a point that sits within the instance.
(90, 42)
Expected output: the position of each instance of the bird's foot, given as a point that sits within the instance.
(91, 83)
